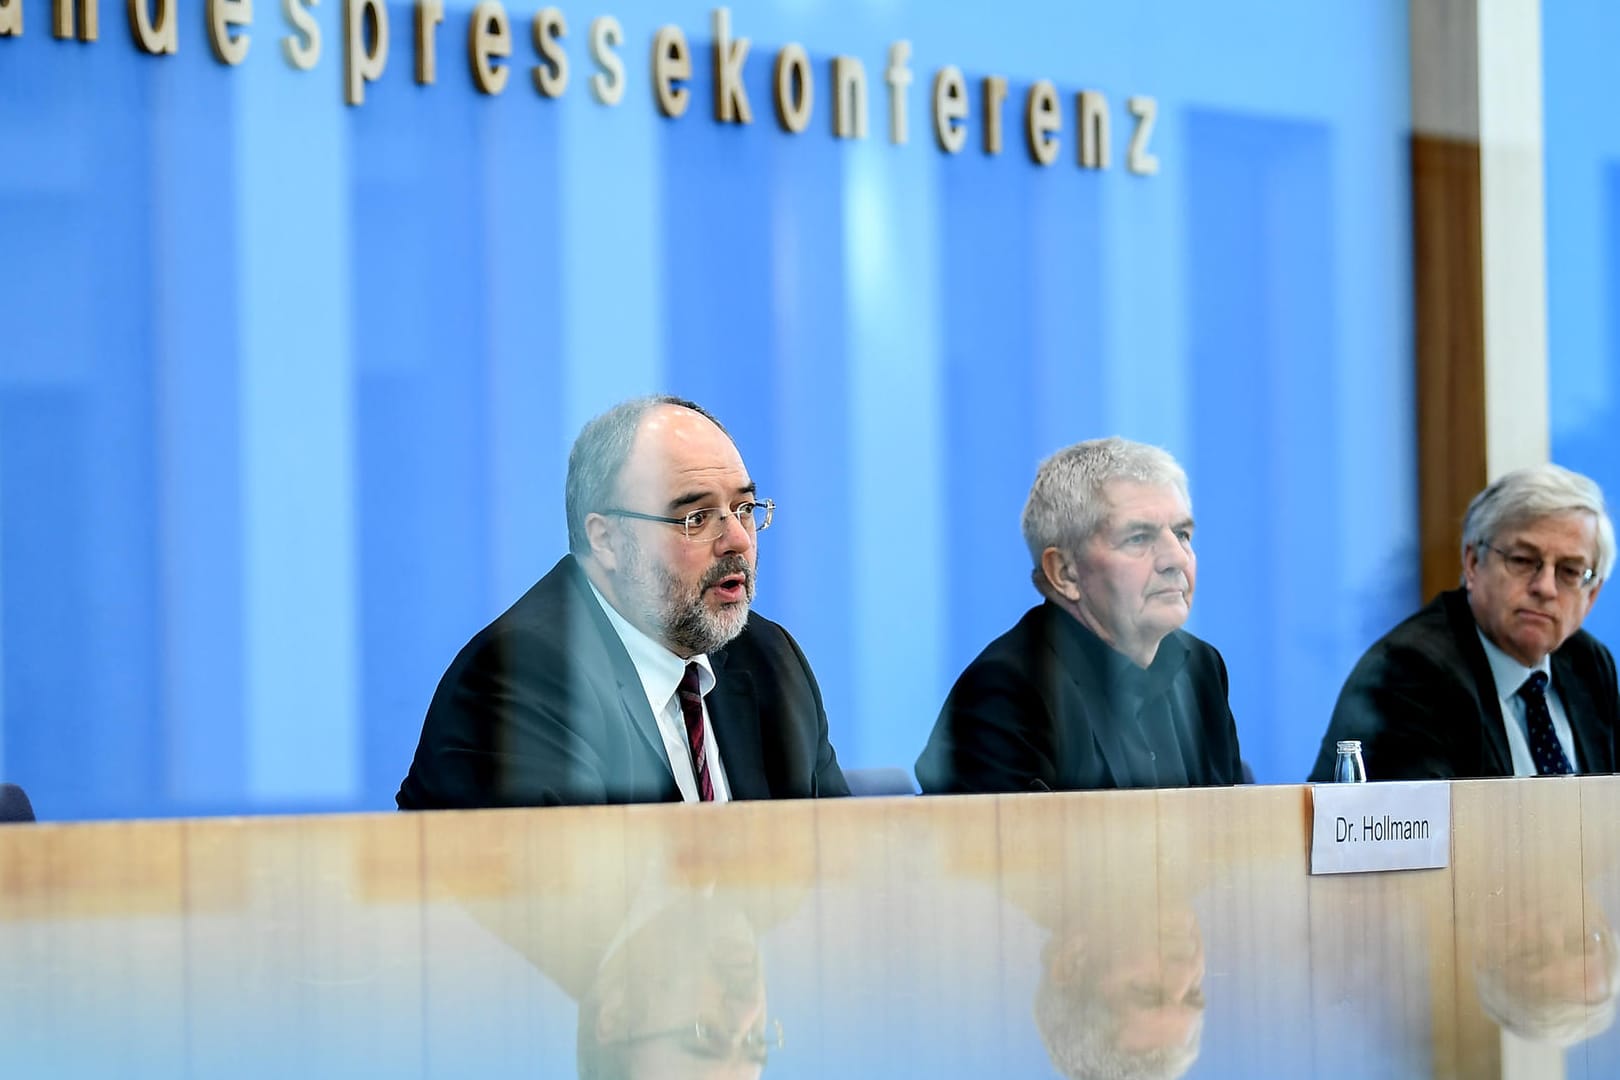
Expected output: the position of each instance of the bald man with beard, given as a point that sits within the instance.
(634, 671)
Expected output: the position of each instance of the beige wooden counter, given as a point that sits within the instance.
(1170, 933)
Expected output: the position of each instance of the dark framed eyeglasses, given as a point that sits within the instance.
(699, 1040)
(706, 525)
(1527, 567)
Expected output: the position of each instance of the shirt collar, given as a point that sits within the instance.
(1119, 670)
(659, 669)
(1508, 672)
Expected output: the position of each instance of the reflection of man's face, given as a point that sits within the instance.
(1157, 995)
(1127, 1002)
(1549, 962)
(714, 1012)
(690, 595)
(684, 997)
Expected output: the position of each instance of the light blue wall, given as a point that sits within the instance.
(287, 387)
(1583, 251)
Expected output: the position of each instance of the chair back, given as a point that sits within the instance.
(14, 804)
(884, 780)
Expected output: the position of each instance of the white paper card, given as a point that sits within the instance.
(1383, 826)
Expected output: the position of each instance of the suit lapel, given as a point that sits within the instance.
(734, 715)
(1582, 712)
(587, 613)
(1495, 757)
(1090, 687)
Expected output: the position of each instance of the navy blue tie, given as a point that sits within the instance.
(1544, 746)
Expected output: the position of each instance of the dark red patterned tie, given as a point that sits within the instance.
(1544, 746)
(692, 709)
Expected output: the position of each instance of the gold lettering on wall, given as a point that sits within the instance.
(995, 95)
(363, 63)
(950, 109)
(87, 25)
(489, 38)
(154, 27)
(1137, 158)
(730, 97)
(155, 37)
(1041, 121)
(223, 16)
(898, 77)
(302, 48)
(795, 93)
(849, 97)
(671, 65)
(608, 84)
(429, 14)
(551, 74)
(1091, 116)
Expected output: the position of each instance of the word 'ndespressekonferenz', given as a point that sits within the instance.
(154, 26)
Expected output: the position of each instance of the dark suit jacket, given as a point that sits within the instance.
(1423, 701)
(544, 707)
(1049, 705)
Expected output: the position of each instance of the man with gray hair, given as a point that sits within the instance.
(1097, 687)
(1496, 677)
(634, 671)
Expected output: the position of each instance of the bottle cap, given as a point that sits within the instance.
(1349, 746)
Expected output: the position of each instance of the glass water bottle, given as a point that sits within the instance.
(1349, 768)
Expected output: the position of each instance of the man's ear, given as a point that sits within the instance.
(1061, 573)
(599, 537)
(1591, 598)
(1066, 959)
(1470, 564)
(610, 1018)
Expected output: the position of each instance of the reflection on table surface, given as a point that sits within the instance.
(1133, 934)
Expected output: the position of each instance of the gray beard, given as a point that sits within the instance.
(682, 619)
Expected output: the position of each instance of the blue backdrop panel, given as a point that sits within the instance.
(287, 386)
(1583, 254)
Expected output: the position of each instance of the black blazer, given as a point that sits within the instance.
(1050, 706)
(543, 707)
(1423, 701)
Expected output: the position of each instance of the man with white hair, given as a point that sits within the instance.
(1098, 687)
(1497, 678)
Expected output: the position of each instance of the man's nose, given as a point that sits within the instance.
(734, 535)
(1545, 581)
(744, 1006)
(1171, 554)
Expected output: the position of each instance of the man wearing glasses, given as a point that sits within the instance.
(1497, 678)
(634, 670)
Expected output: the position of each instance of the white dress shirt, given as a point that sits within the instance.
(661, 672)
(1510, 675)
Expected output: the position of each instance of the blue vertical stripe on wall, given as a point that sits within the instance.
(423, 404)
(1023, 364)
(528, 438)
(1583, 254)
(297, 405)
(899, 591)
(612, 225)
(988, 306)
(199, 502)
(1262, 357)
(715, 254)
(808, 557)
(79, 545)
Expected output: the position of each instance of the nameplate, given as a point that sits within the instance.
(1357, 828)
